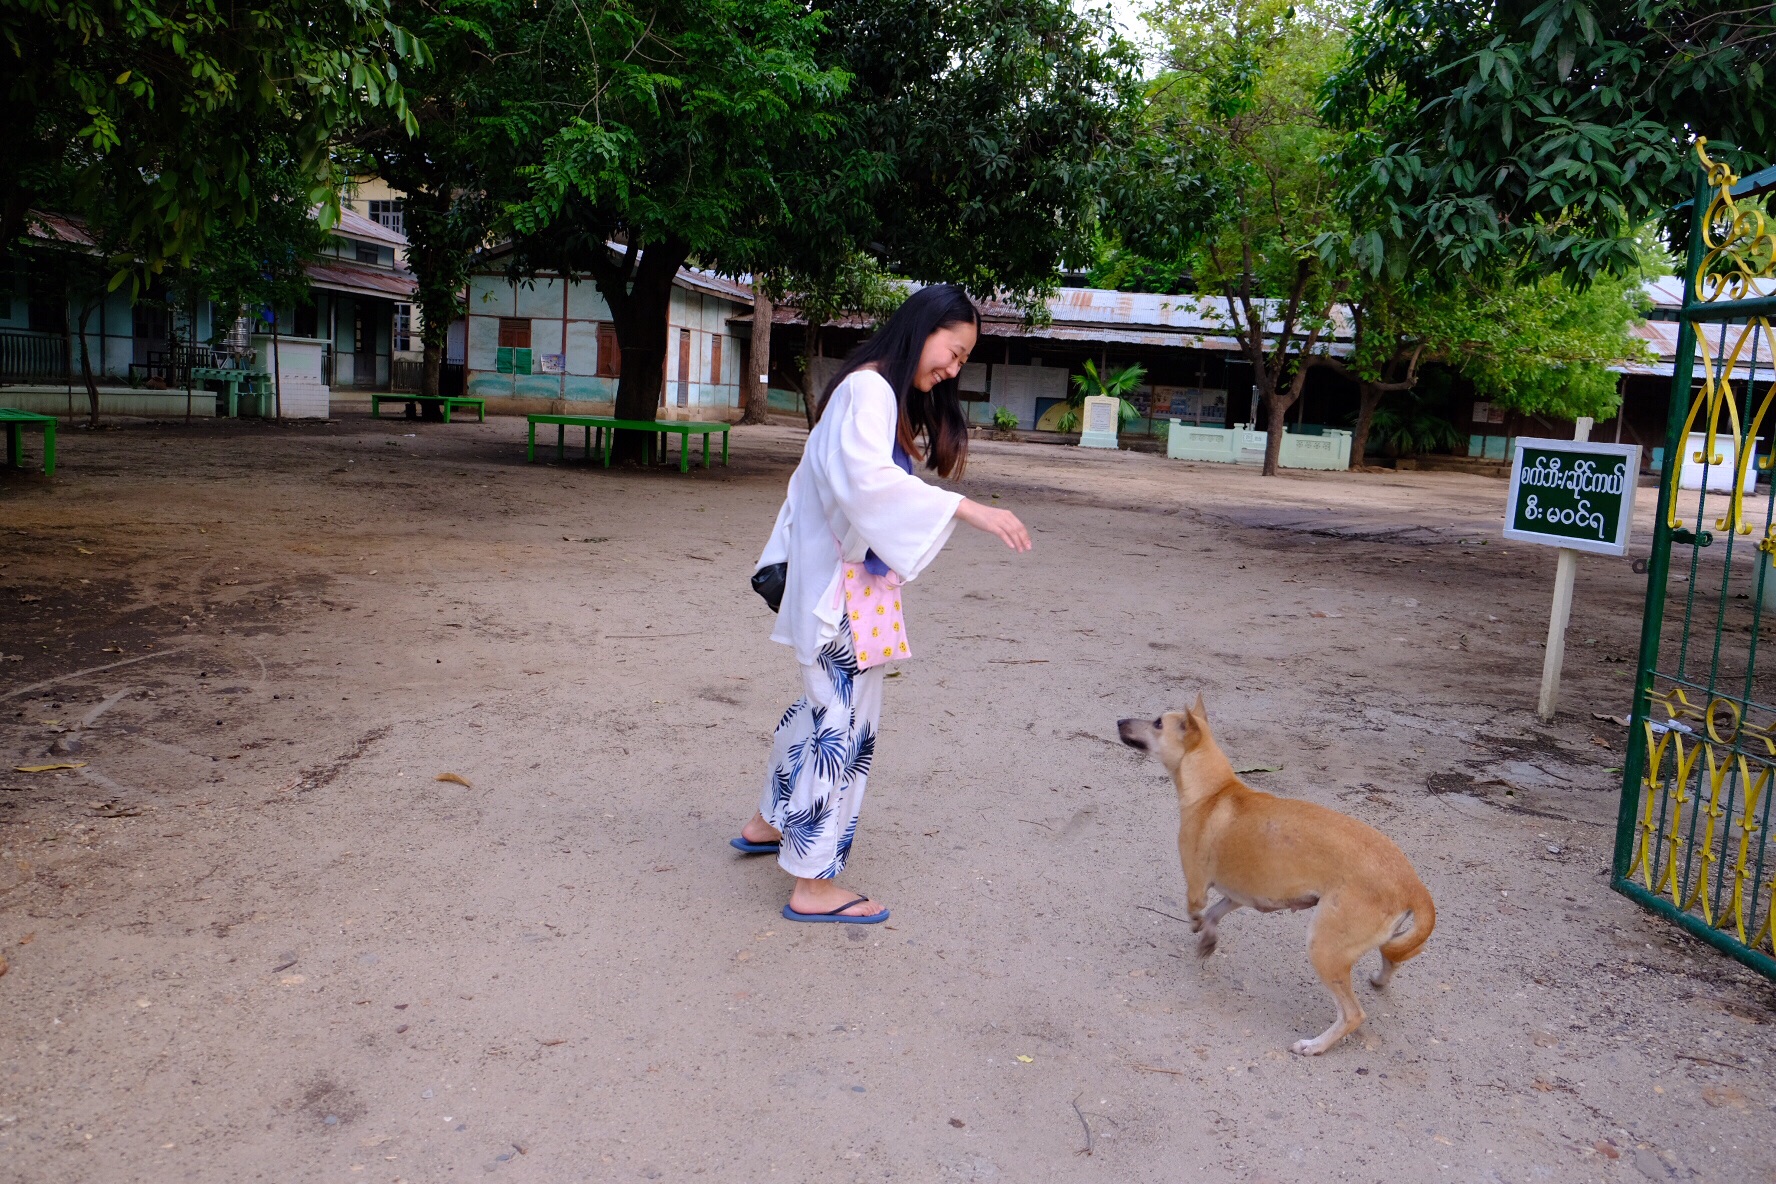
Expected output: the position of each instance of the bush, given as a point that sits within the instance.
(1004, 419)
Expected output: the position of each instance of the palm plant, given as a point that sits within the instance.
(1407, 425)
(1116, 385)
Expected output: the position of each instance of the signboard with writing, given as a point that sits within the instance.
(1573, 494)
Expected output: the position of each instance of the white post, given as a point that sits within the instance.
(1564, 567)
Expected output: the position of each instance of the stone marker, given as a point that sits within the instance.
(1100, 416)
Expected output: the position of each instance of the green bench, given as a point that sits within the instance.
(446, 402)
(257, 383)
(16, 422)
(607, 426)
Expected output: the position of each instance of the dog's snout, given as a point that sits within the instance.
(1131, 732)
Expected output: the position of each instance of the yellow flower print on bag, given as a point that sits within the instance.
(860, 589)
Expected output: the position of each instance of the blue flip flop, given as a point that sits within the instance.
(837, 915)
(747, 847)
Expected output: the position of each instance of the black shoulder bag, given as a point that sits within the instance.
(768, 582)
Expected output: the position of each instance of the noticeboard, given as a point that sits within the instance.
(1573, 494)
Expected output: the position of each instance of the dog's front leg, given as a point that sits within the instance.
(1207, 925)
(1196, 898)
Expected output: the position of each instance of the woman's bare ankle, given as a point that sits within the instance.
(757, 830)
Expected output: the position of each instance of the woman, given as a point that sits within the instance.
(856, 524)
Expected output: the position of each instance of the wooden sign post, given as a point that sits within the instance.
(1577, 496)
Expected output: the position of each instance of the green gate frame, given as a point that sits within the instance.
(1697, 783)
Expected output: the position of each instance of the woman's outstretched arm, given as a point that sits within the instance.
(1003, 523)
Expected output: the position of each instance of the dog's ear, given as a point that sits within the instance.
(1198, 712)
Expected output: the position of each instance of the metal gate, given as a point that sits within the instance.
(1691, 835)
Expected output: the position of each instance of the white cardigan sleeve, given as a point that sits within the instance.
(902, 519)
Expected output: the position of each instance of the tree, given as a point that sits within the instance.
(1239, 105)
(652, 129)
(473, 106)
(1538, 346)
(856, 288)
(956, 142)
(1546, 133)
(151, 111)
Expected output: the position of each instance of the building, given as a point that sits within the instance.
(359, 293)
(1194, 371)
(536, 344)
(375, 200)
(142, 348)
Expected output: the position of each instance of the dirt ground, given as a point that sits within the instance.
(254, 937)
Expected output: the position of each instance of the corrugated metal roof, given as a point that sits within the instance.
(337, 275)
(1103, 315)
(354, 225)
(57, 228)
(1661, 336)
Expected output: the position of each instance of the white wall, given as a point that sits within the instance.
(1018, 388)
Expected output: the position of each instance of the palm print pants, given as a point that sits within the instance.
(820, 762)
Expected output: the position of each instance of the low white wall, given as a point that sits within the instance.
(113, 400)
(1242, 445)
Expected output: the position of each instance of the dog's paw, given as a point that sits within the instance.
(1196, 924)
(1308, 1048)
(1205, 945)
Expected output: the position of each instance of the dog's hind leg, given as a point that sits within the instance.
(1206, 924)
(1333, 953)
(1408, 935)
(1381, 977)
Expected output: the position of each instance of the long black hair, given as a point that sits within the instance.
(895, 348)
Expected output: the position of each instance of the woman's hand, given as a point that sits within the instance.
(1003, 523)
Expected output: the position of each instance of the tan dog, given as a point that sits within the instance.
(1271, 853)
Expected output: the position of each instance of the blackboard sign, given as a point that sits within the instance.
(1573, 494)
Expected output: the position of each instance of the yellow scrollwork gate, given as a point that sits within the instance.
(1691, 837)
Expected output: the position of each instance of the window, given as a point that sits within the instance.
(151, 322)
(513, 355)
(715, 359)
(367, 252)
(308, 320)
(684, 367)
(403, 327)
(390, 214)
(610, 355)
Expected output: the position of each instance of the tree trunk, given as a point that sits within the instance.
(438, 263)
(1368, 399)
(640, 300)
(811, 388)
(1276, 409)
(431, 366)
(86, 372)
(755, 385)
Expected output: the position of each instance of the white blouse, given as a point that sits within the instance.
(846, 497)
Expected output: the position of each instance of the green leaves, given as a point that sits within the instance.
(147, 114)
(1545, 134)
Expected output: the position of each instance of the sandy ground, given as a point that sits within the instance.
(254, 938)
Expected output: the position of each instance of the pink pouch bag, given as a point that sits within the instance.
(872, 609)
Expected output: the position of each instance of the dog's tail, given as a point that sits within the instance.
(1422, 915)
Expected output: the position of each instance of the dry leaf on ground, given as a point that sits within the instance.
(48, 768)
(455, 779)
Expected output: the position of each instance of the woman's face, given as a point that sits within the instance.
(943, 355)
